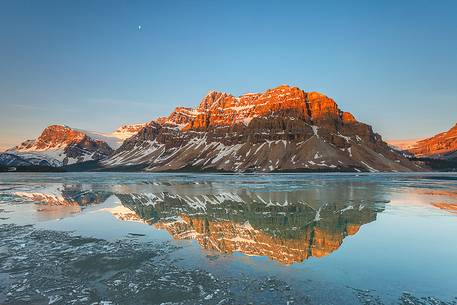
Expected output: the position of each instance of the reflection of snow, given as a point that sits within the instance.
(123, 213)
(51, 194)
(347, 209)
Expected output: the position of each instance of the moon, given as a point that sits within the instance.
(139, 27)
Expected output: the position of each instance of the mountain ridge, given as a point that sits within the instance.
(281, 129)
(440, 146)
(60, 145)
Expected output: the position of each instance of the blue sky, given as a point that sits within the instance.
(393, 64)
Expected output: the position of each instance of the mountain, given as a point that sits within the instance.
(126, 131)
(7, 159)
(403, 144)
(60, 145)
(117, 137)
(57, 146)
(440, 146)
(438, 152)
(281, 129)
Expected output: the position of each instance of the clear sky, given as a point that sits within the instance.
(87, 64)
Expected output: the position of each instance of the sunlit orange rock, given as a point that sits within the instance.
(60, 145)
(442, 145)
(222, 109)
(280, 129)
(54, 136)
(348, 118)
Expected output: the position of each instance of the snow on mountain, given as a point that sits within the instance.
(126, 131)
(112, 141)
(284, 128)
(403, 144)
(7, 159)
(440, 146)
(60, 145)
(116, 138)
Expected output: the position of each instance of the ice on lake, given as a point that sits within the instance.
(136, 238)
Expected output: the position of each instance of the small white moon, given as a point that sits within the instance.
(139, 27)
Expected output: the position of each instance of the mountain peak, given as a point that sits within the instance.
(442, 145)
(283, 128)
(211, 99)
(223, 109)
(127, 130)
(280, 129)
(54, 136)
(61, 145)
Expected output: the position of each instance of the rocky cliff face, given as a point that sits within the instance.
(441, 146)
(7, 159)
(282, 129)
(61, 145)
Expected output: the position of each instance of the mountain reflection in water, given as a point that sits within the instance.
(286, 226)
(66, 195)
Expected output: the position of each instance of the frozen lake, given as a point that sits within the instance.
(140, 238)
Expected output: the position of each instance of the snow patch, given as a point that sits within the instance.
(371, 169)
(315, 129)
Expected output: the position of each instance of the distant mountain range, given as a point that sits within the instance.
(438, 152)
(403, 145)
(281, 129)
(440, 146)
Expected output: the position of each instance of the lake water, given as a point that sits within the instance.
(139, 238)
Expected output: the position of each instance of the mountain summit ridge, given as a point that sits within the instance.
(281, 129)
(441, 146)
(60, 145)
(225, 109)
